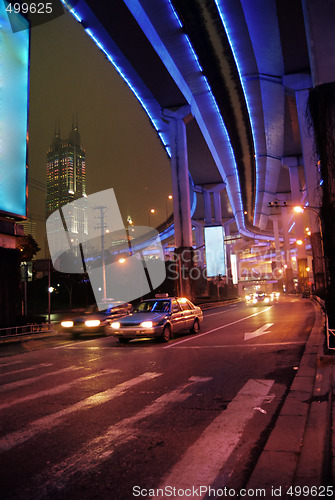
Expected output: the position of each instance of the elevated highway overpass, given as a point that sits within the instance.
(225, 84)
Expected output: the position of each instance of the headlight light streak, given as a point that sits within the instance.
(91, 323)
(67, 324)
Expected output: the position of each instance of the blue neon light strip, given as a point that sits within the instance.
(237, 62)
(163, 137)
(195, 58)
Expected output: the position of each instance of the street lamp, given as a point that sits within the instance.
(170, 197)
(152, 211)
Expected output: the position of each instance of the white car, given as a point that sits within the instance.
(158, 318)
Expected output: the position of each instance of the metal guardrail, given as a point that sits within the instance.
(330, 333)
(330, 336)
(22, 330)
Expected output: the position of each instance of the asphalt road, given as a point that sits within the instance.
(94, 419)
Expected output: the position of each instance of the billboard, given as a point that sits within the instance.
(14, 77)
(215, 251)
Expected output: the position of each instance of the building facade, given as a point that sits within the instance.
(66, 176)
(66, 182)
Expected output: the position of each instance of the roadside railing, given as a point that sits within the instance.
(330, 333)
(330, 336)
(22, 330)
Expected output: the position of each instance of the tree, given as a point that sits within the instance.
(27, 247)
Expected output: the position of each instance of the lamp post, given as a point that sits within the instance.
(152, 211)
(170, 197)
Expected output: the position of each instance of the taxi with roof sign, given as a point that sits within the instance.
(160, 318)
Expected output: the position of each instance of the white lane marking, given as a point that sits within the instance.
(11, 363)
(248, 346)
(260, 331)
(42, 365)
(56, 390)
(101, 448)
(202, 461)
(46, 423)
(30, 380)
(216, 329)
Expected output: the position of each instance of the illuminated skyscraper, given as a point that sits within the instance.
(66, 179)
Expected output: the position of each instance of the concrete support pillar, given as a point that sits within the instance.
(299, 228)
(296, 200)
(313, 191)
(208, 207)
(181, 197)
(217, 208)
(275, 222)
(229, 277)
(287, 253)
(199, 245)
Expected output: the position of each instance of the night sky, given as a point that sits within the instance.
(68, 76)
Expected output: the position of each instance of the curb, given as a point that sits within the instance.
(297, 452)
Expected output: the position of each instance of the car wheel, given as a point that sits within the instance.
(75, 335)
(196, 327)
(166, 335)
(123, 340)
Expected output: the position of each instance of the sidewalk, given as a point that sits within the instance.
(300, 449)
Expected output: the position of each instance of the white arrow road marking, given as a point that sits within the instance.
(260, 331)
(203, 460)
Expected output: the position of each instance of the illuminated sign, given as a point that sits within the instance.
(215, 251)
(233, 263)
(14, 80)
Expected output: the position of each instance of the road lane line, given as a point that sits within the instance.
(92, 454)
(56, 390)
(215, 329)
(46, 423)
(203, 460)
(42, 365)
(11, 363)
(30, 380)
(248, 346)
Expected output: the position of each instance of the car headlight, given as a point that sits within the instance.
(116, 325)
(67, 324)
(92, 322)
(247, 297)
(146, 324)
(254, 301)
(267, 299)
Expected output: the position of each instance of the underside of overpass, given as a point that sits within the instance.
(243, 69)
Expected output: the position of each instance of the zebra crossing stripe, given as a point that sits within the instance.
(56, 390)
(44, 424)
(202, 461)
(35, 367)
(31, 380)
(101, 448)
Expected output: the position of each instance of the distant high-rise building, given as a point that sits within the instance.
(66, 177)
(66, 180)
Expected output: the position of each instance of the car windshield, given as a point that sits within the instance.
(154, 306)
